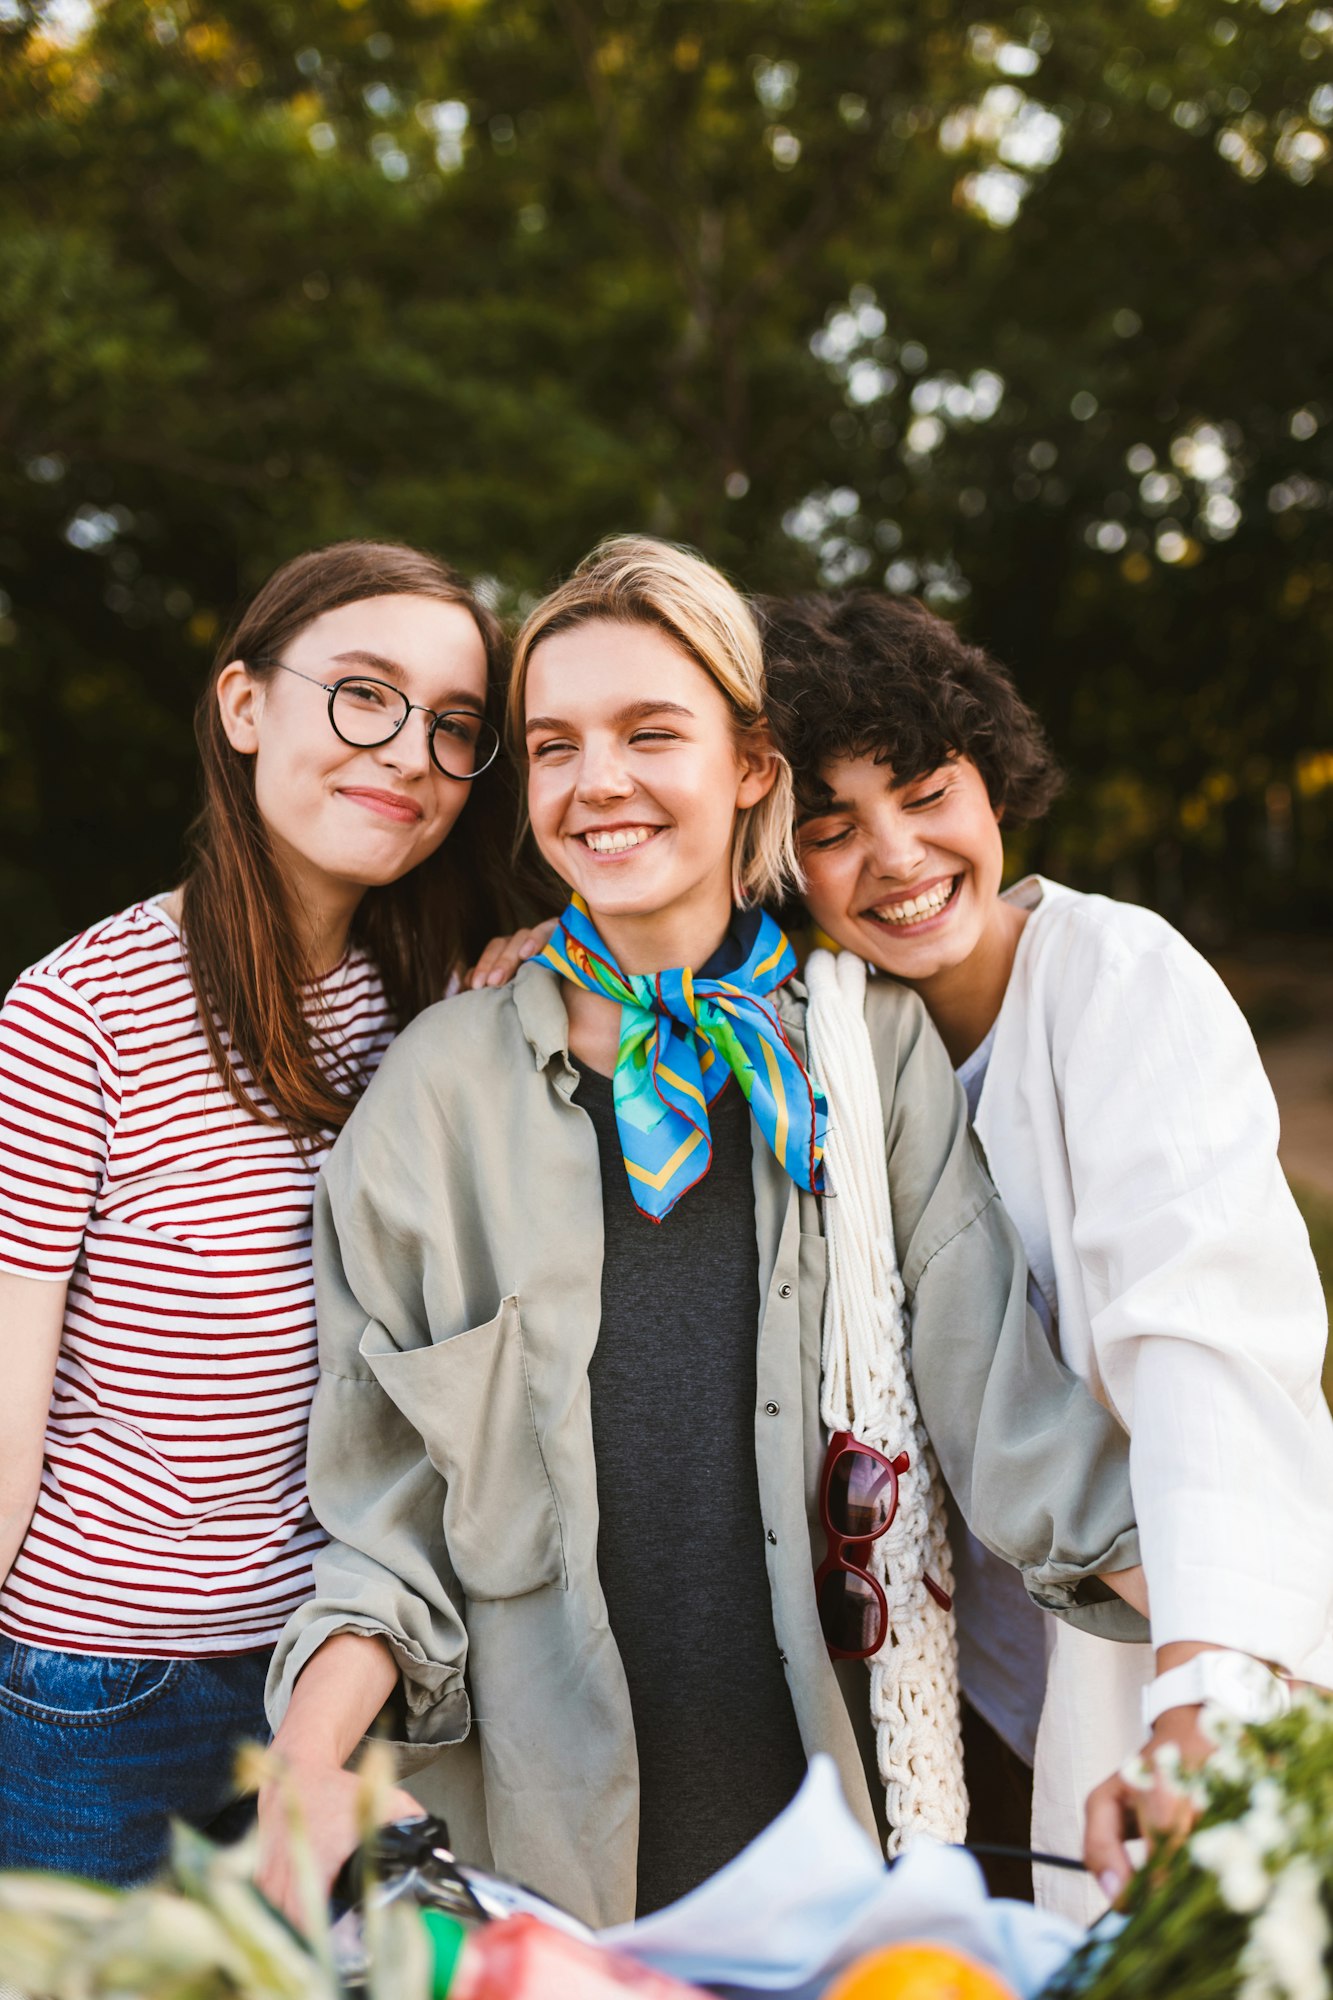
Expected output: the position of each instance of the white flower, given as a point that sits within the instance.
(1283, 1958)
(1227, 1763)
(1237, 1861)
(1267, 1822)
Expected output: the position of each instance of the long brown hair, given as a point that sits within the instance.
(246, 961)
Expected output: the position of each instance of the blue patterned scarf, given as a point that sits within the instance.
(680, 1039)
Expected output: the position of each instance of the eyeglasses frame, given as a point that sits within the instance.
(437, 715)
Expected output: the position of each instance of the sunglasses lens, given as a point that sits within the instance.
(850, 1613)
(862, 1495)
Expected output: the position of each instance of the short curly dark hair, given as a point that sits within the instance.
(865, 674)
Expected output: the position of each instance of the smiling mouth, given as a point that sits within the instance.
(388, 805)
(909, 911)
(616, 839)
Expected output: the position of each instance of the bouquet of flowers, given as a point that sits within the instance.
(1242, 1909)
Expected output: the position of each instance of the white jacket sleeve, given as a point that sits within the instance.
(1207, 1315)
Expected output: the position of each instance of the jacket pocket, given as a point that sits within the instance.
(470, 1400)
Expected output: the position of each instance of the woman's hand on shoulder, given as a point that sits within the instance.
(504, 955)
(324, 1807)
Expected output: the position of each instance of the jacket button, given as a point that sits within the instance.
(772, 1408)
(772, 1538)
(784, 1291)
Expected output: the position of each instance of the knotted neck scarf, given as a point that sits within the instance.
(681, 1036)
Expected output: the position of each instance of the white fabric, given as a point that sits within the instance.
(866, 1390)
(1132, 1134)
(810, 1897)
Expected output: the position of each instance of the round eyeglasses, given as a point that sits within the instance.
(366, 713)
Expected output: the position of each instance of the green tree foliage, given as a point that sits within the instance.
(1027, 310)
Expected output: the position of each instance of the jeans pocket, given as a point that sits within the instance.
(78, 1690)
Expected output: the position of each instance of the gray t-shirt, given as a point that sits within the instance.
(680, 1546)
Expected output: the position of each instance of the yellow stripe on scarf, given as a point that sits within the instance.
(660, 1179)
(780, 1099)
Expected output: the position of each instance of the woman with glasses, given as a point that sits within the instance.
(570, 1264)
(172, 1080)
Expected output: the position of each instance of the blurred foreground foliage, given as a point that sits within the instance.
(1025, 308)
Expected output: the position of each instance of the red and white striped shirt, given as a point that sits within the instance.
(172, 1518)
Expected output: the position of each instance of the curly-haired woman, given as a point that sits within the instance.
(1133, 1137)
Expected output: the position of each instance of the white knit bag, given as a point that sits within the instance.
(867, 1390)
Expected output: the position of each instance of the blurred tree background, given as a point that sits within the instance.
(1026, 309)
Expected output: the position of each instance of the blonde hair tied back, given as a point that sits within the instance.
(638, 580)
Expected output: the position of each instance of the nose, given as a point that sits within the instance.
(895, 849)
(602, 774)
(408, 752)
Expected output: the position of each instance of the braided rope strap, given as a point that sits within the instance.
(867, 1390)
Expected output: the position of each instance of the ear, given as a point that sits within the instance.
(240, 700)
(759, 762)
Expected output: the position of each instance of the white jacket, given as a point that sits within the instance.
(1132, 1134)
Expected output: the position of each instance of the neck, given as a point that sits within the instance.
(321, 915)
(682, 935)
(321, 908)
(687, 934)
(963, 1000)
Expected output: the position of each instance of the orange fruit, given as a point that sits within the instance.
(918, 1972)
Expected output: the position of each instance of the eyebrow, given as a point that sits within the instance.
(633, 711)
(390, 669)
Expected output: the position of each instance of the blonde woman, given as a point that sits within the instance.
(570, 1256)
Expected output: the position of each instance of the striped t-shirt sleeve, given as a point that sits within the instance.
(59, 1093)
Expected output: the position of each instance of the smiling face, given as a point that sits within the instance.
(907, 876)
(342, 819)
(636, 772)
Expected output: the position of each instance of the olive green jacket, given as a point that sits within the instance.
(458, 1257)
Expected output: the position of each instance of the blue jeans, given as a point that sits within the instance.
(96, 1753)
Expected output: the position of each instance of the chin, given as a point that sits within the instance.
(625, 898)
(625, 904)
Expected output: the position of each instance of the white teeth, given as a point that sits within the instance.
(917, 907)
(618, 839)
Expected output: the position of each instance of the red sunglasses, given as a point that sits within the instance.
(858, 1498)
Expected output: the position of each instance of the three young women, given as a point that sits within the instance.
(172, 1080)
(570, 1265)
(1132, 1135)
